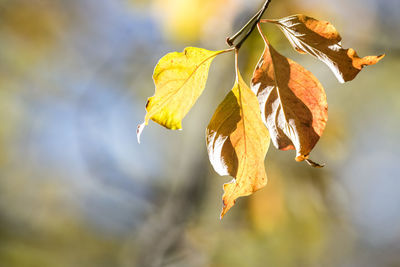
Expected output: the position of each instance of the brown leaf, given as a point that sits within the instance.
(237, 142)
(293, 102)
(321, 40)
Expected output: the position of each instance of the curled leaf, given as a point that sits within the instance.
(292, 101)
(179, 79)
(321, 40)
(237, 142)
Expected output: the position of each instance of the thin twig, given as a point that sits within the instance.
(230, 40)
(252, 23)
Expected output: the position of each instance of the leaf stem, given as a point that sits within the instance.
(237, 64)
(252, 23)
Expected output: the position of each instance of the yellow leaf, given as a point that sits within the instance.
(321, 40)
(237, 142)
(292, 101)
(180, 79)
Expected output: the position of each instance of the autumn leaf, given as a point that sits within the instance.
(321, 40)
(180, 79)
(286, 102)
(237, 142)
(292, 101)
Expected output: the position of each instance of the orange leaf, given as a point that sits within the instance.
(293, 102)
(237, 142)
(321, 40)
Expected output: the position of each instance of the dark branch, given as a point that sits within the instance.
(252, 23)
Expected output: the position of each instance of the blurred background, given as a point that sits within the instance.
(77, 190)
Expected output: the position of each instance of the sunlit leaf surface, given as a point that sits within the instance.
(180, 79)
(292, 101)
(321, 40)
(237, 142)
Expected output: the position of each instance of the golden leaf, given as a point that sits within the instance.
(237, 142)
(292, 101)
(180, 79)
(321, 40)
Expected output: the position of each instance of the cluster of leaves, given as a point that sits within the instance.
(285, 102)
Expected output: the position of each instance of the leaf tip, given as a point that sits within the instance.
(139, 131)
(222, 214)
(314, 164)
(380, 57)
(305, 158)
(227, 200)
(371, 60)
(359, 63)
(227, 205)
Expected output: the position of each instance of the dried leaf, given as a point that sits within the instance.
(237, 142)
(180, 79)
(292, 101)
(321, 40)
